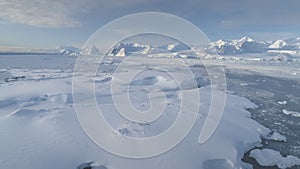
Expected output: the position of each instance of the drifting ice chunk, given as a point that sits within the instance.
(282, 102)
(276, 136)
(268, 157)
(291, 113)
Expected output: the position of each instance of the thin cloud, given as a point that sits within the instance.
(40, 13)
(56, 14)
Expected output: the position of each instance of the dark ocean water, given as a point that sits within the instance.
(266, 91)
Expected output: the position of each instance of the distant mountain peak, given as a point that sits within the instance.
(90, 50)
(66, 50)
(278, 44)
(246, 39)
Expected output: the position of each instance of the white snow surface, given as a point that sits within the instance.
(268, 157)
(39, 127)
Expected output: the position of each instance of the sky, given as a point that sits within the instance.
(51, 23)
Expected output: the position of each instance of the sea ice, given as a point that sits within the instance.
(291, 113)
(268, 157)
(33, 143)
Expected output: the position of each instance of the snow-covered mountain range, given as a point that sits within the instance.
(241, 46)
(245, 45)
(73, 51)
(125, 49)
(66, 50)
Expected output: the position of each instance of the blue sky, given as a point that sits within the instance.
(48, 23)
